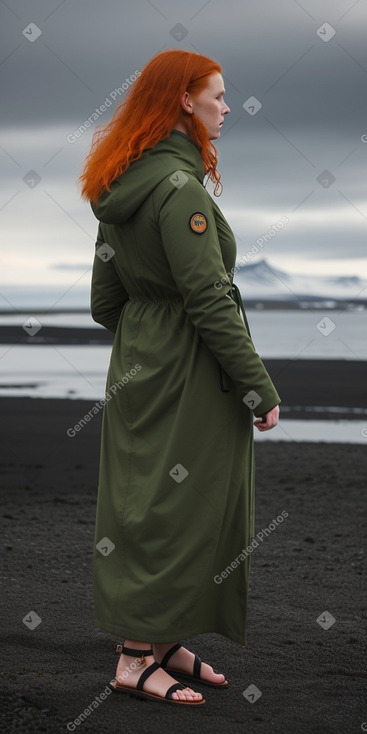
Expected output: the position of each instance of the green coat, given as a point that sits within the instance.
(176, 483)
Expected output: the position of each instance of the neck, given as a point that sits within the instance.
(182, 128)
(183, 124)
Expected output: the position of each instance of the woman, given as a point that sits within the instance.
(176, 486)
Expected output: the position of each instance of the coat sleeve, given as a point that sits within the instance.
(196, 263)
(108, 295)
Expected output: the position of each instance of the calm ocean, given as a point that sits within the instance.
(79, 372)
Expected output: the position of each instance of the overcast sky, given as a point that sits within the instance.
(306, 64)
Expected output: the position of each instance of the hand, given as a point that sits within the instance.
(269, 420)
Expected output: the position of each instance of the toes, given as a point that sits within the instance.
(212, 676)
(219, 679)
(192, 695)
(187, 694)
(190, 692)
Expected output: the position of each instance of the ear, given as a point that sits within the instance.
(186, 103)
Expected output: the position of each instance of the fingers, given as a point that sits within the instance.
(264, 426)
(268, 421)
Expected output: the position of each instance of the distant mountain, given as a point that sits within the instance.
(261, 282)
(261, 286)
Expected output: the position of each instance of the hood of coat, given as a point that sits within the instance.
(128, 191)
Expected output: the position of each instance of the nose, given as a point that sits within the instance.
(226, 109)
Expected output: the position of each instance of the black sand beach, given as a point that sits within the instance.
(310, 678)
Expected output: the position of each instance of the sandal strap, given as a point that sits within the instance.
(172, 650)
(134, 652)
(169, 653)
(149, 670)
(197, 667)
(175, 687)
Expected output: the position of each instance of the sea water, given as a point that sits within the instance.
(79, 372)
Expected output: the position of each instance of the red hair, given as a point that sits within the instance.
(147, 115)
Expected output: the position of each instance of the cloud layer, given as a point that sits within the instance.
(302, 155)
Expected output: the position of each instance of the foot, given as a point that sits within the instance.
(158, 683)
(183, 660)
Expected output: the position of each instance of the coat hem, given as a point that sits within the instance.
(181, 635)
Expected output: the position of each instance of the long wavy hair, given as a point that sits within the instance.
(147, 115)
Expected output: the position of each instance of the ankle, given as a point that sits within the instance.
(161, 645)
(136, 654)
(136, 644)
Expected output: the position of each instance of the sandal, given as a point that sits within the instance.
(138, 692)
(196, 670)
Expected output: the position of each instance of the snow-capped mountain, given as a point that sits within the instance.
(261, 282)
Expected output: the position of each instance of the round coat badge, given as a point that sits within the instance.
(198, 222)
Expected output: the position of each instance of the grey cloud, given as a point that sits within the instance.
(312, 117)
(83, 53)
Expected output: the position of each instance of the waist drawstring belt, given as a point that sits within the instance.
(235, 294)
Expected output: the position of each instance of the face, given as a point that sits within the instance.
(209, 105)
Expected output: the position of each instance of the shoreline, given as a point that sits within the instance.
(309, 388)
(307, 414)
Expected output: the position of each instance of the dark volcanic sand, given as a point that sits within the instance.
(310, 678)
